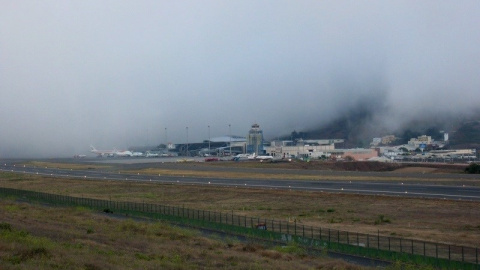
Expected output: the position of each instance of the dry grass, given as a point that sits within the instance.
(256, 175)
(39, 237)
(73, 166)
(455, 222)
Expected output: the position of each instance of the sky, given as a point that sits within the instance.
(133, 73)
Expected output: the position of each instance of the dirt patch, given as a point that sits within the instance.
(361, 166)
(416, 170)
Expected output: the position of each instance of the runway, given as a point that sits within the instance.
(386, 188)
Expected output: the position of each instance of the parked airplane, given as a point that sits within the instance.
(125, 153)
(241, 157)
(137, 154)
(148, 154)
(101, 153)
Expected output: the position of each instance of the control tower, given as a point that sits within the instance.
(255, 140)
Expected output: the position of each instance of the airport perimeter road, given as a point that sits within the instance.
(356, 187)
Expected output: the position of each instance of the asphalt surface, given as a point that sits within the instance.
(389, 188)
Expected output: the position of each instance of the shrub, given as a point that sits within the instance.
(381, 219)
(473, 168)
(5, 226)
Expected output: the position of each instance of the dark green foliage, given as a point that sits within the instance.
(473, 168)
(5, 226)
(467, 133)
(382, 219)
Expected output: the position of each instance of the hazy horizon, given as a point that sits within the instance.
(117, 73)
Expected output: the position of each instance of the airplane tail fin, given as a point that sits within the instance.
(92, 148)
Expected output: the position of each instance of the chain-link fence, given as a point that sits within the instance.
(369, 245)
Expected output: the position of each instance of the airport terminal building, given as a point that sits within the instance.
(317, 149)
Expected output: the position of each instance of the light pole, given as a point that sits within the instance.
(166, 139)
(230, 131)
(209, 139)
(187, 140)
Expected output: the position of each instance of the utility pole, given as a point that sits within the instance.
(209, 139)
(166, 139)
(187, 140)
(230, 131)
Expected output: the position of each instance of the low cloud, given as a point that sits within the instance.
(122, 73)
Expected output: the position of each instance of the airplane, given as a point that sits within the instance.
(101, 153)
(125, 153)
(148, 154)
(137, 154)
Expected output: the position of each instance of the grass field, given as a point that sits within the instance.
(453, 222)
(41, 237)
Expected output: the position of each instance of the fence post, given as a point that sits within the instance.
(303, 231)
(378, 239)
(368, 240)
(412, 247)
(348, 242)
(358, 242)
(329, 235)
(295, 229)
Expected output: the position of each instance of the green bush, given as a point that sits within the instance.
(473, 168)
(381, 219)
(5, 226)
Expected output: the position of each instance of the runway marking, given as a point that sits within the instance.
(186, 181)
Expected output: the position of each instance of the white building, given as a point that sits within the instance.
(307, 148)
(420, 140)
